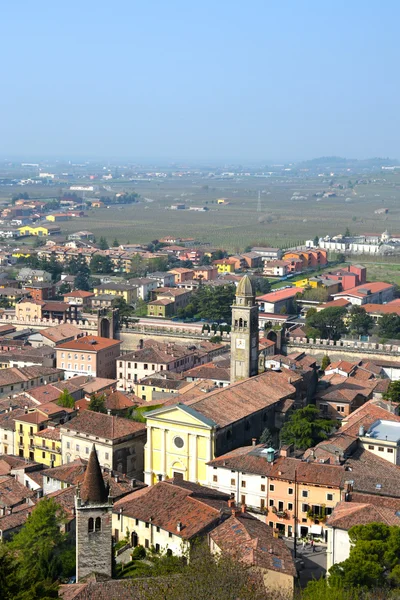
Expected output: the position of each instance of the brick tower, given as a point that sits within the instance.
(244, 332)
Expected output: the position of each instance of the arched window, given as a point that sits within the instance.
(245, 324)
(98, 524)
(90, 525)
(240, 322)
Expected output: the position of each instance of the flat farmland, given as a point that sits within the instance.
(289, 211)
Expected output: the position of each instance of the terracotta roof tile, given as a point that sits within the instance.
(89, 343)
(104, 426)
(168, 502)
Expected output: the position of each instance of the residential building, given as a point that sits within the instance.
(89, 355)
(28, 425)
(279, 301)
(168, 515)
(15, 379)
(338, 401)
(205, 273)
(376, 292)
(127, 291)
(166, 301)
(47, 446)
(154, 357)
(181, 274)
(163, 278)
(58, 334)
(7, 430)
(383, 439)
(276, 268)
(144, 286)
(79, 298)
(269, 556)
(39, 230)
(28, 310)
(40, 290)
(268, 253)
(28, 275)
(311, 259)
(119, 441)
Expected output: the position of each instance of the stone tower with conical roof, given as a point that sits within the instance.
(244, 332)
(93, 523)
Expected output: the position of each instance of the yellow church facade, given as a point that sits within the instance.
(180, 441)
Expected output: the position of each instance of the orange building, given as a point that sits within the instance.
(306, 492)
(310, 259)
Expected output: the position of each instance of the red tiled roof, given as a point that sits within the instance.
(168, 502)
(280, 295)
(252, 542)
(89, 343)
(373, 288)
(104, 426)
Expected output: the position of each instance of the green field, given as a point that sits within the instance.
(284, 218)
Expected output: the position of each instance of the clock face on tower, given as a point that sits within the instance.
(241, 344)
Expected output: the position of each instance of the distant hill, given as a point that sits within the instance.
(347, 163)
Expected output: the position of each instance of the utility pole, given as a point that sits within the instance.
(259, 202)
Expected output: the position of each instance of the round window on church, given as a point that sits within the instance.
(178, 441)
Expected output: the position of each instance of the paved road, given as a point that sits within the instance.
(314, 562)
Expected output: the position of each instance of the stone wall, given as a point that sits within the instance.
(349, 349)
(93, 549)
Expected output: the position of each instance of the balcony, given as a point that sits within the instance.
(282, 514)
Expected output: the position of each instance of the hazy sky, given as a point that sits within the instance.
(209, 79)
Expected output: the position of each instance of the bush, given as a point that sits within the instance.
(138, 553)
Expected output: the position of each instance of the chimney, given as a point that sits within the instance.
(179, 526)
(109, 411)
(116, 478)
(9, 510)
(26, 410)
(231, 502)
(243, 508)
(289, 380)
(133, 482)
(286, 450)
(253, 441)
(159, 477)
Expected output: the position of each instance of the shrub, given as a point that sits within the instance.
(138, 553)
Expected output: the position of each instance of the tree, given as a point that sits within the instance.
(325, 362)
(305, 428)
(328, 322)
(39, 548)
(115, 243)
(82, 282)
(205, 261)
(347, 233)
(360, 322)
(77, 266)
(374, 559)
(393, 392)
(316, 241)
(140, 308)
(221, 577)
(138, 266)
(389, 326)
(261, 285)
(101, 264)
(98, 403)
(103, 244)
(266, 437)
(212, 303)
(65, 399)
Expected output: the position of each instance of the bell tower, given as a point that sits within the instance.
(93, 507)
(244, 332)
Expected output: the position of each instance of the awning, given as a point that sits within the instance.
(316, 529)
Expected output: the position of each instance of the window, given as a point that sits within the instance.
(304, 494)
(243, 484)
(170, 535)
(120, 364)
(262, 503)
(232, 482)
(178, 441)
(120, 375)
(75, 356)
(329, 497)
(89, 357)
(157, 547)
(90, 525)
(75, 367)
(63, 365)
(243, 499)
(263, 487)
(136, 522)
(146, 543)
(145, 366)
(77, 447)
(390, 450)
(43, 454)
(271, 487)
(69, 366)
(158, 530)
(290, 491)
(107, 456)
(371, 447)
(68, 445)
(290, 506)
(304, 507)
(62, 354)
(89, 368)
(147, 525)
(215, 478)
(271, 502)
(98, 524)
(82, 367)
(87, 450)
(270, 523)
(340, 409)
(380, 449)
